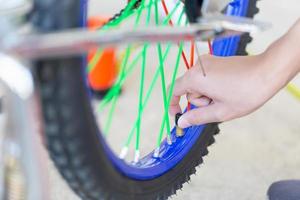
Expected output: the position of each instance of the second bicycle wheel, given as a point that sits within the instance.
(135, 154)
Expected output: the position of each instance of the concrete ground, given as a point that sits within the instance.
(252, 152)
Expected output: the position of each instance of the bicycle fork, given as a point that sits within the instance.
(22, 157)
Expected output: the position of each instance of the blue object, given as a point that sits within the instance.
(170, 155)
(284, 190)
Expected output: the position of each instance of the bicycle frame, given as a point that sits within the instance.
(81, 40)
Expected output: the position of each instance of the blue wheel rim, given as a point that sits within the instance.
(170, 155)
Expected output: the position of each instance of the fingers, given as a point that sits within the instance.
(182, 86)
(198, 100)
(201, 115)
(190, 82)
(174, 105)
(179, 89)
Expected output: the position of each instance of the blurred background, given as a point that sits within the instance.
(250, 153)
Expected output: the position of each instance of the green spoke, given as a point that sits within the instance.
(97, 55)
(156, 75)
(138, 130)
(122, 74)
(95, 59)
(124, 14)
(144, 53)
(170, 15)
(119, 82)
(117, 86)
(163, 87)
(162, 74)
(137, 19)
(110, 24)
(114, 100)
(128, 67)
(148, 94)
(170, 93)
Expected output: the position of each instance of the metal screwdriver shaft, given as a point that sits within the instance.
(199, 61)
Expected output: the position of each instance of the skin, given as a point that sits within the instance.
(237, 86)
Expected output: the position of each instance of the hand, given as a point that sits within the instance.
(233, 87)
(236, 86)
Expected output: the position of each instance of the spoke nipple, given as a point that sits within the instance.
(136, 156)
(169, 140)
(179, 131)
(123, 153)
(156, 152)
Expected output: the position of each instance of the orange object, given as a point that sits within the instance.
(104, 71)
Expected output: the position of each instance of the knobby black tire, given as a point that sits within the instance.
(70, 126)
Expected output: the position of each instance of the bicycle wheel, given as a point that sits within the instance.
(85, 157)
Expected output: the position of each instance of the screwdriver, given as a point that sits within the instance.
(199, 61)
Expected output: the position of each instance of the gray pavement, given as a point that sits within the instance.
(252, 152)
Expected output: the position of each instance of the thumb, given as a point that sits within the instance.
(201, 115)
